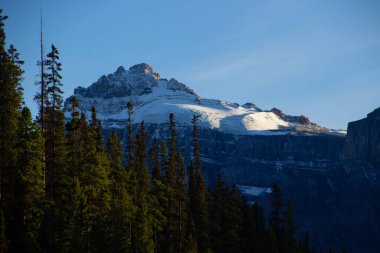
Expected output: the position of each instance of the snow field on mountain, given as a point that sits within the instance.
(155, 98)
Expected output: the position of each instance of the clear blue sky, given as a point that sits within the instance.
(317, 58)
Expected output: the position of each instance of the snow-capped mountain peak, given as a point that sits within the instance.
(154, 98)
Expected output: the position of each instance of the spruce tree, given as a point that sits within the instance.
(163, 158)
(154, 158)
(73, 138)
(10, 101)
(183, 205)
(75, 234)
(131, 172)
(29, 197)
(170, 182)
(233, 222)
(216, 205)
(57, 178)
(94, 180)
(143, 234)
(158, 194)
(275, 220)
(290, 229)
(256, 237)
(40, 97)
(226, 218)
(16, 70)
(177, 209)
(191, 190)
(121, 209)
(96, 128)
(198, 201)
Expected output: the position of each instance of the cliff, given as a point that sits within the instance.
(363, 140)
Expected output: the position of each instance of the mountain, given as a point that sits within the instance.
(363, 139)
(154, 98)
(332, 180)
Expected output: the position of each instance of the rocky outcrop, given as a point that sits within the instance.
(137, 81)
(363, 140)
(294, 119)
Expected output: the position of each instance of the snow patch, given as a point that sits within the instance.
(253, 190)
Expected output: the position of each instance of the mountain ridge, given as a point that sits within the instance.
(154, 98)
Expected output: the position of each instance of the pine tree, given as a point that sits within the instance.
(216, 205)
(54, 82)
(73, 138)
(183, 205)
(57, 178)
(95, 184)
(75, 234)
(143, 239)
(275, 220)
(16, 70)
(96, 128)
(154, 158)
(233, 221)
(158, 194)
(40, 97)
(290, 229)
(10, 101)
(163, 158)
(131, 173)
(226, 218)
(170, 181)
(191, 212)
(198, 201)
(121, 209)
(29, 198)
(258, 226)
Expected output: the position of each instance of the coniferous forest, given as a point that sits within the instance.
(65, 189)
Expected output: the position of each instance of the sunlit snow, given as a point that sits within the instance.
(155, 98)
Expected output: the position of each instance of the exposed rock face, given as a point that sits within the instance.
(142, 68)
(363, 139)
(251, 106)
(138, 81)
(295, 119)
